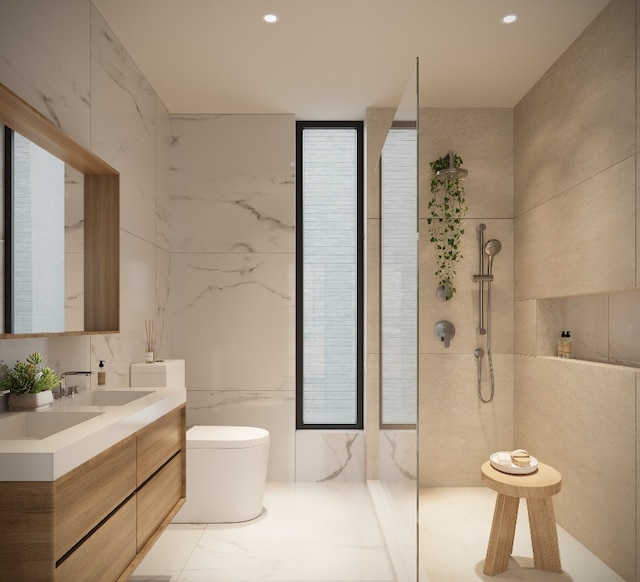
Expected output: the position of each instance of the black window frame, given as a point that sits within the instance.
(360, 282)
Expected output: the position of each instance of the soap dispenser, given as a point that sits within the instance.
(102, 375)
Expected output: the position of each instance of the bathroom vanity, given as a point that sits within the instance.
(87, 486)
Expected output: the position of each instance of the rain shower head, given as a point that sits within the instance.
(491, 249)
(452, 172)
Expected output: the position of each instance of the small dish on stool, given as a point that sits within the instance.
(511, 468)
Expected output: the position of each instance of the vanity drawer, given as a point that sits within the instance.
(104, 555)
(86, 495)
(158, 442)
(158, 497)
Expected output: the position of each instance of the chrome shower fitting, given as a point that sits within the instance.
(490, 249)
(444, 330)
(481, 277)
(452, 173)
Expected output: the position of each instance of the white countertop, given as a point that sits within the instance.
(48, 458)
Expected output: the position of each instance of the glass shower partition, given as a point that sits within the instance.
(398, 324)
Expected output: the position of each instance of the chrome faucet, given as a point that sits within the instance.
(63, 382)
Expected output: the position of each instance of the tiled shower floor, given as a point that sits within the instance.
(328, 532)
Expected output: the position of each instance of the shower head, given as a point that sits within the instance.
(491, 249)
(452, 173)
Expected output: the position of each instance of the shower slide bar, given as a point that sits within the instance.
(481, 278)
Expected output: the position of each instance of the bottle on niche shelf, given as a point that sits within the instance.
(568, 345)
(561, 342)
(565, 345)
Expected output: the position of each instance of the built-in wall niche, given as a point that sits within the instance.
(604, 328)
(100, 219)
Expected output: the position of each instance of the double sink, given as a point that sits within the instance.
(61, 416)
(46, 444)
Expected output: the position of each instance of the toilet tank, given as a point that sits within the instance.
(163, 373)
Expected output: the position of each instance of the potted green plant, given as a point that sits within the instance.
(29, 384)
(447, 208)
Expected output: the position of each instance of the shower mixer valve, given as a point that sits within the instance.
(445, 330)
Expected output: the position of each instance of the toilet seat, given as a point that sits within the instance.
(226, 437)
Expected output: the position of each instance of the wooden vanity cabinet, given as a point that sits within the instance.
(99, 520)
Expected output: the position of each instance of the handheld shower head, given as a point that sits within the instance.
(491, 249)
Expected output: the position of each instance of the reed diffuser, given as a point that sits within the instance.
(148, 355)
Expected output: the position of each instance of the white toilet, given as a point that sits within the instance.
(226, 465)
(226, 474)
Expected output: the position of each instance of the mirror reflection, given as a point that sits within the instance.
(43, 240)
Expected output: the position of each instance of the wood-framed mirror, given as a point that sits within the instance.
(100, 220)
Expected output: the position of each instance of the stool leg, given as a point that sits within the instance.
(544, 535)
(503, 529)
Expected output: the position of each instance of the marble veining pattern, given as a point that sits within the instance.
(163, 176)
(233, 183)
(398, 455)
(233, 319)
(273, 411)
(46, 67)
(324, 456)
(124, 128)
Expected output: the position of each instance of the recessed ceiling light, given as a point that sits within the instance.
(270, 18)
(509, 18)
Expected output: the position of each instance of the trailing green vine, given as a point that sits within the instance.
(446, 227)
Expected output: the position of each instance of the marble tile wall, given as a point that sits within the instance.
(576, 261)
(398, 458)
(330, 456)
(233, 273)
(63, 59)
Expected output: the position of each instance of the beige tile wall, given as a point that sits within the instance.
(579, 417)
(578, 120)
(579, 242)
(448, 386)
(576, 233)
(454, 424)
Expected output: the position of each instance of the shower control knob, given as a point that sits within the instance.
(444, 330)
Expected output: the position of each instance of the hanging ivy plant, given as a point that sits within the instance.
(446, 227)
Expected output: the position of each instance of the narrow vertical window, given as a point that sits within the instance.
(399, 279)
(329, 263)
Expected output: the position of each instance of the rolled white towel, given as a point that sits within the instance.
(503, 458)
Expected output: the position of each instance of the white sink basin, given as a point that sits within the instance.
(40, 425)
(106, 397)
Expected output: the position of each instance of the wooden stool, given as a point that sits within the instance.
(537, 488)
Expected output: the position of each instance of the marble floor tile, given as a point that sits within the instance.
(328, 532)
(307, 532)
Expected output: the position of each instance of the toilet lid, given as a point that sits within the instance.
(226, 437)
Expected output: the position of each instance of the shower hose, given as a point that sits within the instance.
(482, 399)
